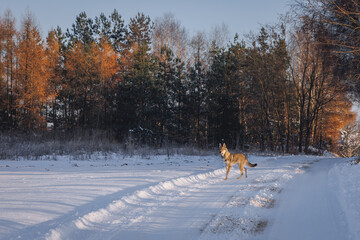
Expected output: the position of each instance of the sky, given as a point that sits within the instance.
(240, 16)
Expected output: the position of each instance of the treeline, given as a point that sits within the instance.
(148, 82)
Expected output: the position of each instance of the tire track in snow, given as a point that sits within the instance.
(134, 208)
(244, 213)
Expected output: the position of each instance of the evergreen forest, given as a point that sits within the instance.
(286, 88)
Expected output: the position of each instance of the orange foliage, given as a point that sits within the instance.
(53, 58)
(76, 64)
(33, 88)
(107, 61)
(91, 74)
(97, 65)
(127, 58)
(336, 115)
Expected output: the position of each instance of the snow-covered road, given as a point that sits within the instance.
(308, 208)
(183, 197)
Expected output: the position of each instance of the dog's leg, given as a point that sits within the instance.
(227, 172)
(245, 172)
(242, 172)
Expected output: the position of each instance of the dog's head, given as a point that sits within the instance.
(222, 149)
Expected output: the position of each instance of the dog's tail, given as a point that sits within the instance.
(250, 164)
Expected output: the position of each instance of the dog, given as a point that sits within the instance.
(231, 159)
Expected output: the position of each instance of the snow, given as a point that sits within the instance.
(116, 196)
(345, 179)
(308, 208)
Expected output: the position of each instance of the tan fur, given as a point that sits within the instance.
(231, 159)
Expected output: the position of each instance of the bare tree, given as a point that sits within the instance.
(199, 50)
(339, 23)
(168, 32)
(341, 17)
(219, 35)
(312, 72)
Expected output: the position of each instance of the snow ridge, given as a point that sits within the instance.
(246, 215)
(134, 208)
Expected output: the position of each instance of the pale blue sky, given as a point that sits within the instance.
(240, 16)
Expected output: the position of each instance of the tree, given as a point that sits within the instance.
(228, 99)
(141, 74)
(350, 140)
(168, 32)
(164, 81)
(197, 94)
(178, 91)
(54, 59)
(112, 29)
(93, 65)
(148, 81)
(317, 83)
(137, 93)
(270, 89)
(33, 91)
(172, 95)
(261, 74)
(8, 53)
(332, 120)
(219, 35)
(81, 84)
(3, 96)
(339, 25)
(107, 66)
(83, 31)
(140, 31)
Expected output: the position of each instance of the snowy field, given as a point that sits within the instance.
(179, 197)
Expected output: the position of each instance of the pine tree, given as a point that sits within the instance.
(107, 69)
(118, 31)
(178, 93)
(227, 95)
(171, 94)
(54, 56)
(112, 29)
(136, 106)
(83, 31)
(140, 31)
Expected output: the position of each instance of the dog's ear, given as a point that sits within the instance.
(224, 145)
(220, 145)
